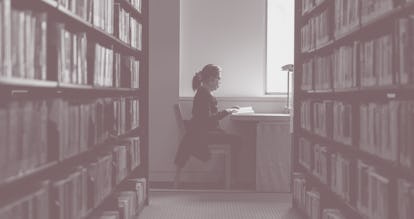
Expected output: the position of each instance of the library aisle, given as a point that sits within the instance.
(174, 204)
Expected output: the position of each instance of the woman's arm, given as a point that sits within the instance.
(202, 112)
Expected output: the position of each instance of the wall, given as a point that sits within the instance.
(164, 21)
(229, 33)
(183, 36)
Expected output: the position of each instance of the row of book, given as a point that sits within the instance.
(368, 63)
(74, 193)
(317, 73)
(346, 16)
(104, 14)
(376, 61)
(133, 152)
(100, 13)
(83, 125)
(332, 169)
(373, 9)
(316, 31)
(306, 116)
(321, 163)
(383, 126)
(342, 122)
(34, 204)
(328, 118)
(82, 8)
(127, 203)
(130, 68)
(22, 43)
(373, 197)
(137, 4)
(103, 68)
(130, 30)
(322, 117)
(380, 130)
(336, 70)
(404, 44)
(340, 176)
(332, 214)
(68, 55)
(308, 5)
(23, 134)
(109, 17)
(307, 74)
(373, 194)
(126, 114)
(322, 80)
(106, 66)
(30, 47)
(309, 200)
(405, 199)
(305, 153)
(385, 130)
(126, 157)
(34, 133)
(344, 67)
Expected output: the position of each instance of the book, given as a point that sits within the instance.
(240, 110)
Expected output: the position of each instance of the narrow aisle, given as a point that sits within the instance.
(218, 205)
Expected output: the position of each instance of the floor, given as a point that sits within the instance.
(218, 204)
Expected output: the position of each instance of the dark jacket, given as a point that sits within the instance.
(205, 119)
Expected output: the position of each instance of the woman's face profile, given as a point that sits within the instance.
(214, 83)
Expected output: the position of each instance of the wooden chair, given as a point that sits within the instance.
(214, 149)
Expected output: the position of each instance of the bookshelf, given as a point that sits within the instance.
(73, 108)
(352, 148)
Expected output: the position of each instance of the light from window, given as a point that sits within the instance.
(280, 44)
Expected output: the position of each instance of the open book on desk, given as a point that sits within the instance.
(241, 110)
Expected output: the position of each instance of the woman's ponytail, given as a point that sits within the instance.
(196, 81)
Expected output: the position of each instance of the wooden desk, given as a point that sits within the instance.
(273, 150)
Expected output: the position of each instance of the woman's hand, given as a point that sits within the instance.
(232, 109)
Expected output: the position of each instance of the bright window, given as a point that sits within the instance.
(280, 44)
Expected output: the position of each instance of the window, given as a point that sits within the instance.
(280, 44)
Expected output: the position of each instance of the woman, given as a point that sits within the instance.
(204, 127)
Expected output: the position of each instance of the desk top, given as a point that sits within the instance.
(261, 117)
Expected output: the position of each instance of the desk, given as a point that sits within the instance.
(273, 150)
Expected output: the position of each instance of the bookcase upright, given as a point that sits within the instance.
(73, 108)
(353, 154)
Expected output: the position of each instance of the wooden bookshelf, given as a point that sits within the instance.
(131, 9)
(74, 129)
(369, 108)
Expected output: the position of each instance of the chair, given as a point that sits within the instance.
(214, 149)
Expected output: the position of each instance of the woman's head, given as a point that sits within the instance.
(208, 77)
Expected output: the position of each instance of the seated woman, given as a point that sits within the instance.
(204, 127)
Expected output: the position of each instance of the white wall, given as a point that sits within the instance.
(164, 83)
(184, 35)
(229, 33)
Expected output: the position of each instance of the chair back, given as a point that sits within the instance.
(183, 123)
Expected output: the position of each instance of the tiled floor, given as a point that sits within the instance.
(215, 204)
